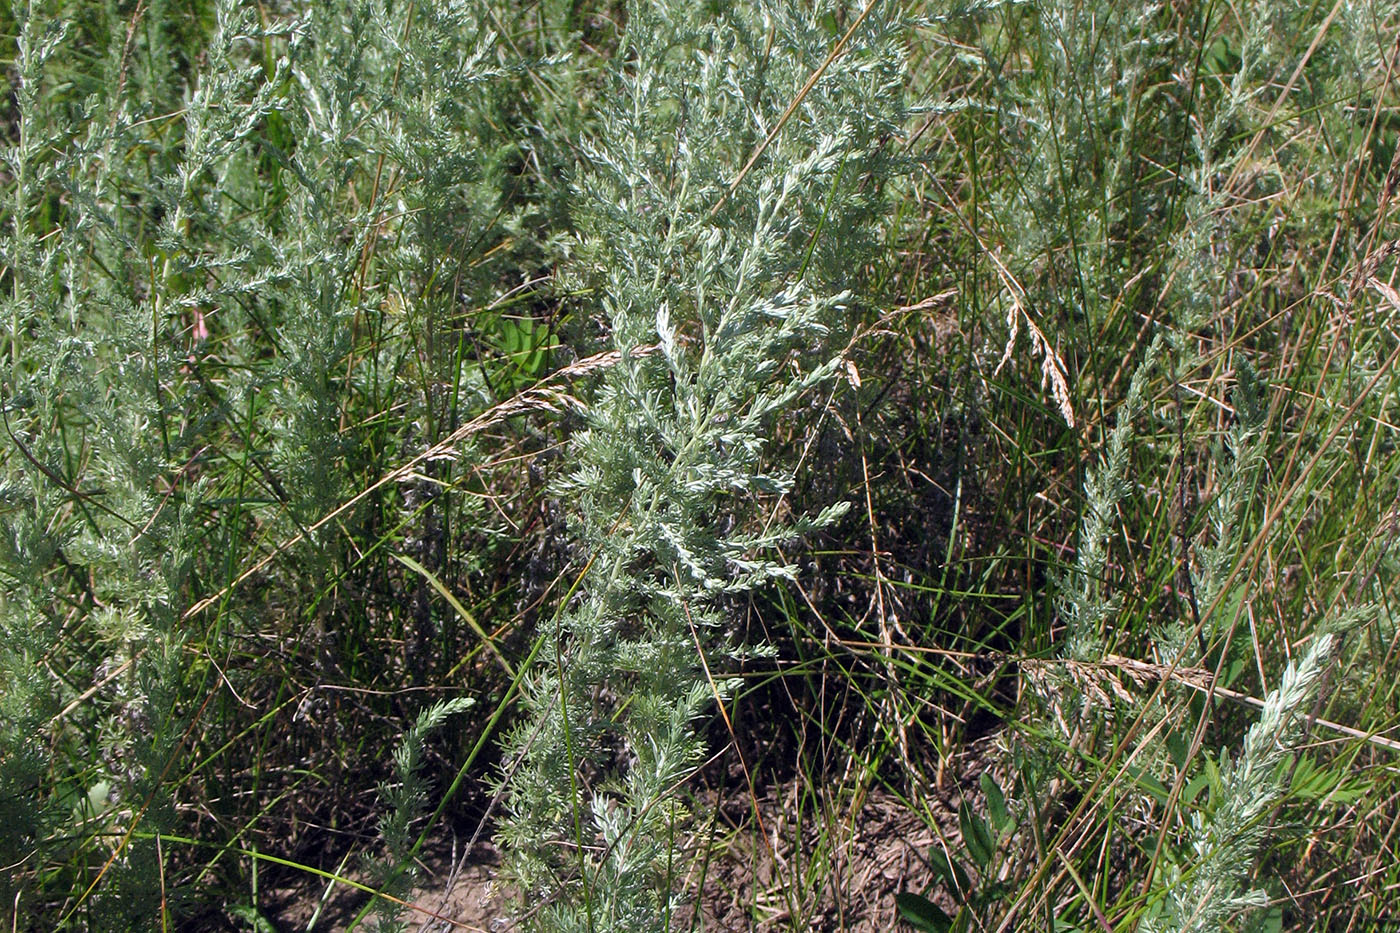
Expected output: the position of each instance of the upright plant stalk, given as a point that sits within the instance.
(1207, 892)
(669, 471)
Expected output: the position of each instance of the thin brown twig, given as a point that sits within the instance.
(540, 397)
(762, 147)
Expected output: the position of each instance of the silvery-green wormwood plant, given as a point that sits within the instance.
(726, 294)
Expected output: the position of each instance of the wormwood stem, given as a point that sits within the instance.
(675, 441)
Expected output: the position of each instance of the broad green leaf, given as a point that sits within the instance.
(922, 914)
(950, 872)
(996, 804)
(1194, 788)
(1178, 748)
(976, 836)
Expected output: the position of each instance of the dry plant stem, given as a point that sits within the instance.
(125, 840)
(1254, 142)
(536, 398)
(796, 101)
(1284, 93)
(1053, 370)
(1089, 798)
(1252, 554)
(886, 638)
(733, 737)
(336, 878)
(1245, 699)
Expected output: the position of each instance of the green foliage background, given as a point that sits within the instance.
(563, 417)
